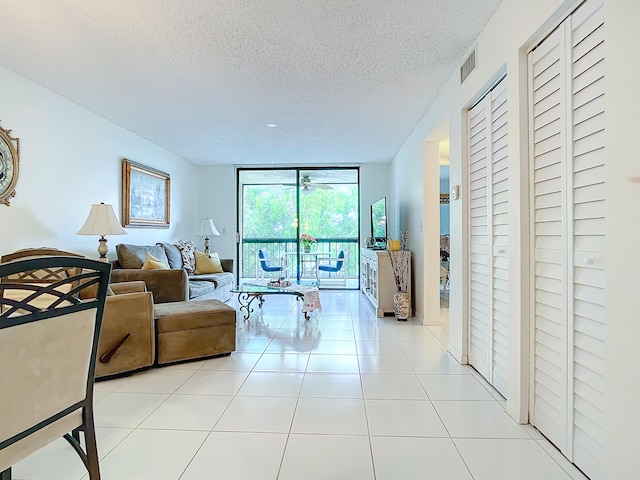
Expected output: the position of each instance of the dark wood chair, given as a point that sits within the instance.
(48, 345)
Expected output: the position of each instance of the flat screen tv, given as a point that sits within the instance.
(379, 223)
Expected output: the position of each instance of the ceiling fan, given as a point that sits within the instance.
(306, 185)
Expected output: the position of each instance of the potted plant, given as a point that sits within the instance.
(400, 261)
(307, 241)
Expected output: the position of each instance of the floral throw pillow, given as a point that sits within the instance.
(188, 251)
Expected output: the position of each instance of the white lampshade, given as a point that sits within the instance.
(102, 221)
(207, 227)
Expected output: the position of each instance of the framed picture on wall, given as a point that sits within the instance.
(145, 196)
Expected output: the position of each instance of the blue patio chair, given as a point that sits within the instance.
(333, 268)
(271, 266)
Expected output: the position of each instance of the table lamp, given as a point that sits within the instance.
(101, 221)
(207, 227)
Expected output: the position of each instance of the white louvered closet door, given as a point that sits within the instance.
(499, 238)
(488, 214)
(568, 223)
(548, 187)
(479, 254)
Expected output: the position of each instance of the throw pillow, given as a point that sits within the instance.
(207, 263)
(188, 250)
(133, 256)
(152, 263)
(173, 255)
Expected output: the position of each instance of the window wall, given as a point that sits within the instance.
(277, 206)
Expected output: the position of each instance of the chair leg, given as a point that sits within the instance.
(6, 475)
(88, 455)
(93, 465)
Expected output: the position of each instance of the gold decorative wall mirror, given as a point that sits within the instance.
(9, 162)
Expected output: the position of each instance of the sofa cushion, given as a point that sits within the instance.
(218, 279)
(133, 256)
(198, 288)
(207, 263)
(177, 316)
(152, 263)
(173, 255)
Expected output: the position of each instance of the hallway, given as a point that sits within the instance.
(343, 396)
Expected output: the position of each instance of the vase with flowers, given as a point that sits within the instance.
(307, 241)
(401, 268)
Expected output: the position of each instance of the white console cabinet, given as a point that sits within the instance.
(376, 282)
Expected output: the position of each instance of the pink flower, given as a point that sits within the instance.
(307, 239)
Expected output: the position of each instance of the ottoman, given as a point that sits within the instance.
(196, 329)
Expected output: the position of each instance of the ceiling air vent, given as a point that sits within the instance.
(468, 66)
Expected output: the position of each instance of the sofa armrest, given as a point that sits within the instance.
(227, 264)
(128, 287)
(166, 285)
(127, 335)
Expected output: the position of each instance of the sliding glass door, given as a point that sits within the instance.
(279, 207)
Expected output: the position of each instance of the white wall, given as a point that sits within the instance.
(71, 158)
(217, 200)
(501, 47)
(622, 238)
(374, 184)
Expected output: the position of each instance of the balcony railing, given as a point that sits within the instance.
(281, 247)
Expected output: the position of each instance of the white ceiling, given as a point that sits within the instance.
(346, 81)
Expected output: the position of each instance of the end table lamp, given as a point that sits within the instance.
(207, 227)
(102, 221)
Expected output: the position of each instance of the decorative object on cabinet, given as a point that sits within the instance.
(399, 266)
(101, 221)
(393, 245)
(145, 196)
(400, 260)
(9, 163)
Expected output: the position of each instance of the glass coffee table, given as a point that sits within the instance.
(305, 291)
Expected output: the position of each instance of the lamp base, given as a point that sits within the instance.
(206, 244)
(103, 249)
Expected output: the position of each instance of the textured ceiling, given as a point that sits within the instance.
(346, 81)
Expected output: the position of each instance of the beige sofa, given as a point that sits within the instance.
(136, 334)
(173, 284)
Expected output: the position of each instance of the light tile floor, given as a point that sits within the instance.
(344, 395)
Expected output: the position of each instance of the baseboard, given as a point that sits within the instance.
(457, 354)
(430, 322)
(520, 416)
